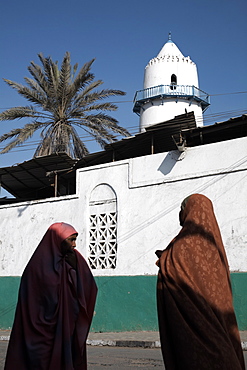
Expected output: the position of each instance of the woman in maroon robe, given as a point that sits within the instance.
(55, 306)
(198, 328)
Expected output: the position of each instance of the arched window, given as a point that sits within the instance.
(173, 82)
(103, 228)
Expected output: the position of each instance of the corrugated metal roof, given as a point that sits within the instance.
(34, 179)
(157, 139)
(228, 130)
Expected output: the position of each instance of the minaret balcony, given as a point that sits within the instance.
(164, 92)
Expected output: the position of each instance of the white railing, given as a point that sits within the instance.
(171, 90)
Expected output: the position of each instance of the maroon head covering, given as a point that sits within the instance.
(54, 310)
(198, 328)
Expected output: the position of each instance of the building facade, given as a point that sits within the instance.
(124, 211)
(124, 201)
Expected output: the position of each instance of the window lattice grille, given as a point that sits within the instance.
(103, 241)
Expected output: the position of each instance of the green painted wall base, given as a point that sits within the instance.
(124, 303)
(9, 287)
(239, 291)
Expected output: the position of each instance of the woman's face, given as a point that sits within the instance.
(181, 217)
(69, 243)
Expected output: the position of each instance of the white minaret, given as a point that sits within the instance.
(170, 88)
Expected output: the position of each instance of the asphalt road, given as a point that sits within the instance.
(119, 358)
(122, 358)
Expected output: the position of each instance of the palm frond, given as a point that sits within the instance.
(29, 94)
(87, 89)
(86, 100)
(37, 73)
(109, 92)
(14, 85)
(107, 121)
(44, 148)
(74, 72)
(98, 107)
(22, 135)
(18, 112)
(83, 78)
(79, 148)
(46, 103)
(51, 74)
(64, 81)
(93, 126)
(101, 141)
(35, 86)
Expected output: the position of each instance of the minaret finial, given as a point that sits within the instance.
(170, 36)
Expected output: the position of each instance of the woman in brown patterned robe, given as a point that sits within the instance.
(198, 328)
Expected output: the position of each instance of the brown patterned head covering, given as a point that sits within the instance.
(198, 328)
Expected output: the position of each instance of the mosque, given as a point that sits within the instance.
(124, 201)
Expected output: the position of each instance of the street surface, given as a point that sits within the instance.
(122, 358)
(119, 358)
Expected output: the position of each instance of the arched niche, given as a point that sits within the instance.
(103, 228)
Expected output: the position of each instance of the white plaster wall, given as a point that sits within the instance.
(157, 111)
(159, 71)
(23, 225)
(149, 191)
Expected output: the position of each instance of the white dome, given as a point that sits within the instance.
(170, 49)
(170, 61)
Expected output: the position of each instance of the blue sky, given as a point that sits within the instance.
(123, 36)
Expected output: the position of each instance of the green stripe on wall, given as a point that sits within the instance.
(124, 303)
(239, 292)
(8, 292)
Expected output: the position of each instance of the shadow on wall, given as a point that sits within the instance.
(170, 161)
(21, 210)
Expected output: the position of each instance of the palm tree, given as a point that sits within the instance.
(66, 101)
